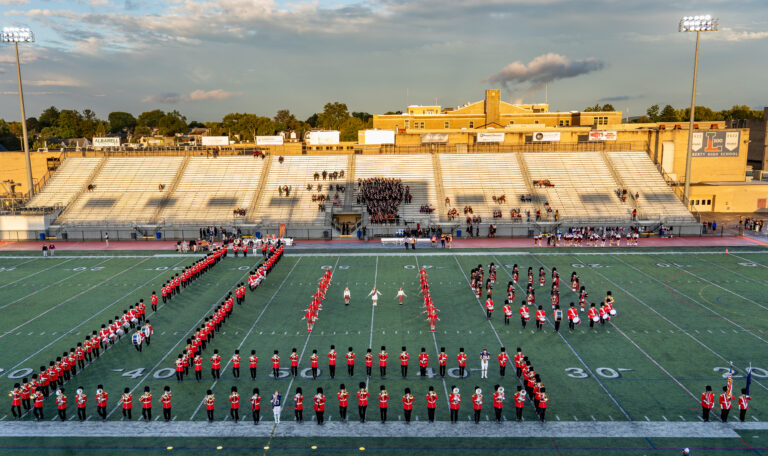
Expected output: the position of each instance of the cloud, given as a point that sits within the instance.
(55, 82)
(197, 95)
(14, 2)
(544, 69)
(729, 34)
(616, 98)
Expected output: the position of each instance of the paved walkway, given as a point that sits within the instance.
(556, 429)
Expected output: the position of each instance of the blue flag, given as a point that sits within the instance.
(749, 378)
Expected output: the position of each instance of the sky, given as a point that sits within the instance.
(207, 58)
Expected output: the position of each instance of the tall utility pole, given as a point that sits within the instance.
(17, 35)
(696, 24)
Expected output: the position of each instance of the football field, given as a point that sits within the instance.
(631, 386)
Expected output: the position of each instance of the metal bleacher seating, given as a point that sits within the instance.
(66, 183)
(583, 186)
(212, 188)
(474, 179)
(640, 175)
(297, 171)
(126, 190)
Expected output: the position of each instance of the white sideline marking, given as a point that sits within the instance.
(373, 313)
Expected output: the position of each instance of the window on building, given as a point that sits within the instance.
(407, 123)
(709, 202)
(600, 121)
(511, 122)
(446, 125)
(564, 123)
(420, 125)
(535, 121)
(471, 124)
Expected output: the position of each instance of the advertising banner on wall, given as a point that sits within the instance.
(323, 138)
(269, 140)
(485, 137)
(441, 138)
(215, 140)
(716, 143)
(546, 136)
(602, 135)
(106, 142)
(379, 137)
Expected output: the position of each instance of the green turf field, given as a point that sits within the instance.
(682, 317)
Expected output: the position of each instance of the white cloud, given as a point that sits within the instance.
(544, 69)
(55, 81)
(14, 2)
(729, 34)
(197, 95)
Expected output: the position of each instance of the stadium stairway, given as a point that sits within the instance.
(164, 202)
(253, 210)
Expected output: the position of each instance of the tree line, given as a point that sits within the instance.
(53, 125)
(669, 114)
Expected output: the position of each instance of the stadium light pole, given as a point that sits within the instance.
(18, 35)
(696, 24)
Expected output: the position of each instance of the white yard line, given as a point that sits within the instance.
(82, 323)
(434, 339)
(49, 286)
(747, 259)
(183, 338)
(573, 350)
(33, 274)
(720, 287)
(638, 300)
(373, 313)
(250, 330)
(723, 317)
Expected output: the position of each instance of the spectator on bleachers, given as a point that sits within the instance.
(382, 198)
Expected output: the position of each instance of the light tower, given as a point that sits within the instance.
(696, 24)
(18, 35)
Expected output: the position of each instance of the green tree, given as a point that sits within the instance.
(139, 132)
(363, 116)
(121, 122)
(250, 125)
(741, 112)
(8, 138)
(653, 113)
(669, 114)
(68, 125)
(49, 117)
(313, 120)
(349, 129)
(333, 116)
(597, 108)
(196, 124)
(150, 119)
(392, 113)
(215, 128)
(172, 123)
(284, 120)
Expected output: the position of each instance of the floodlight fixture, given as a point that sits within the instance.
(698, 24)
(18, 35)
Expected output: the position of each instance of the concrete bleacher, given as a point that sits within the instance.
(66, 183)
(640, 175)
(583, 184)
(473, 180)
(212, 188)
(415, 171)
(126, 191)
(297, 171)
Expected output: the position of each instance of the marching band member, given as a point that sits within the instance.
(477, 403)
(519, 402)
(61, 404)
(362, 401)
(408, 401)
(165, 403)
(525, 314)
(725, 404)
(744, 404)
(454, 401)
(498, 401)
(255, 401)
(573, 317)
(350, 357)
(126, 401)
(431, 404)
(707, 403)
(319, 405)
(81, 400)
(401, 296)
(210, 403)
(383, 403)
(343, 397)
(146, 404)
(347, 295)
